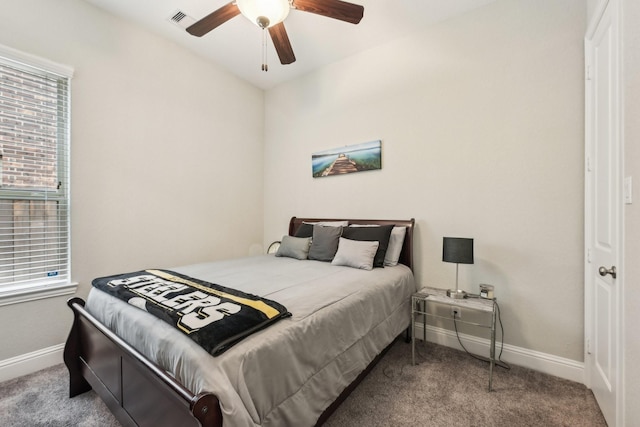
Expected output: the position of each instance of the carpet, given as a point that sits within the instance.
(42, 399)
(446, 388)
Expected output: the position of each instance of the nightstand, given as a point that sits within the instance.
(426, 297)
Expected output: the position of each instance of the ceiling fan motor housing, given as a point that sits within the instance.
(263, 22)
(264, 13)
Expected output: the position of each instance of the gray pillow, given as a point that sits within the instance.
(355, 253)
(305, 230)
(325, 242)
(380, 234)
(294, 247)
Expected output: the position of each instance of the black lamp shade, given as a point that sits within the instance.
(458, 250)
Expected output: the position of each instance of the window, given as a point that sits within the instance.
(34, 177)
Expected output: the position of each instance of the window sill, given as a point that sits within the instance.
(23, 294)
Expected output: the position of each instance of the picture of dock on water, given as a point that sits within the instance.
(348, 159)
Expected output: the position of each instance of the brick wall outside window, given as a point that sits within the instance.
(28, 131)
(33, 187)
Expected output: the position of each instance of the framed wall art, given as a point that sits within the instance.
(348, 159)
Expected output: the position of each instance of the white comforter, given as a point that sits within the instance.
(287, 374)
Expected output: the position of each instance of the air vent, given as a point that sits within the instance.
(181, 19)
(178, 16)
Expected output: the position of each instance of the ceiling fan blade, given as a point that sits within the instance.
(282, 44)
(214, 19)
(335, 9)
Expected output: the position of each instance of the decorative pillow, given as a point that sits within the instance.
(294, 247)
(380, 234)
(354, 253)
(395, 246)
(395, 243)
(306, 228)
(324, 243)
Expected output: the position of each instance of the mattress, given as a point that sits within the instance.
(290, 372)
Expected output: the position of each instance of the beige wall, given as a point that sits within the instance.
(482, 123)
(631, 90)
(166, 154)
(481, 119)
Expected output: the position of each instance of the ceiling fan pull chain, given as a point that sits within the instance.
(265, 66)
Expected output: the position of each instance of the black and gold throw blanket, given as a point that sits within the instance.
(213, 316)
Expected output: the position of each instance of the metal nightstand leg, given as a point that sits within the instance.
(492, 349)
(424, 321)
(413, 332)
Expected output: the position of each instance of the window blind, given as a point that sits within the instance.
(34, 181)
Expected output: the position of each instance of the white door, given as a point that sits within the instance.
(603, 214)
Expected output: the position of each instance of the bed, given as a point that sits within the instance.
(295, 372)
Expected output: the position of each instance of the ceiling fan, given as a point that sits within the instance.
(270, 14)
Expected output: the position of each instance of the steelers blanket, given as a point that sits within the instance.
(213, 316)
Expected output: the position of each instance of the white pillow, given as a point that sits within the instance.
(356, 253)
(395, 246)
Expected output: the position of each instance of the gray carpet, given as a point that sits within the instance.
(447, 388)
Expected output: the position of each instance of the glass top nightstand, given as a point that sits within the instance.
(420, 304)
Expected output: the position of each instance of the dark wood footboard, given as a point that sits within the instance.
(136, 390)
(100, 360)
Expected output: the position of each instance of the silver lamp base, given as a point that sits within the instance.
(456, 293)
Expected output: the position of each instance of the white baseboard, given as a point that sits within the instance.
(30, 362)
(542, 362)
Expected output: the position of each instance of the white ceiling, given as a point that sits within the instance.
(316, 40)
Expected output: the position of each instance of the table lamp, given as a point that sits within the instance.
(460, 251)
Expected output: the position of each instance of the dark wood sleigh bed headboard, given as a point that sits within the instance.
(406, 256)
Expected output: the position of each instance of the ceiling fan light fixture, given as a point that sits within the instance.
(264, 13)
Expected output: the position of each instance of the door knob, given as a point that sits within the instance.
(604, 271)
